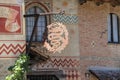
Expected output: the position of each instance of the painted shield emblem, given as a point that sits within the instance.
(57, 37)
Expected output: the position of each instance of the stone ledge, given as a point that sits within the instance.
(105, 73)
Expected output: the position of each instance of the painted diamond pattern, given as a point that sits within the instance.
(72, 74)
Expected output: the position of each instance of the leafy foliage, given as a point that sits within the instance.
(19, 69)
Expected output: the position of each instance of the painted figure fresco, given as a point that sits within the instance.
(10, 19)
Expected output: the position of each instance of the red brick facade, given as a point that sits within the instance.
(94, 47)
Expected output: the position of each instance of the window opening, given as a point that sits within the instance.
(113, 28)
(40, 25)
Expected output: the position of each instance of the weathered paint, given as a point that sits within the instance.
(69, 58)
(12, 33)
(88, 46)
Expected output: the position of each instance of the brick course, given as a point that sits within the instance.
(94, 48)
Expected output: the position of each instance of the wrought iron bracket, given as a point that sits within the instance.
(35, 25)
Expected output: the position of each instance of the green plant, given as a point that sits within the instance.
(19, 69)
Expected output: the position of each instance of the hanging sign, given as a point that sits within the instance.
(57, 37)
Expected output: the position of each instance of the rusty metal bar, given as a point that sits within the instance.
(41, 14)
(33, 32)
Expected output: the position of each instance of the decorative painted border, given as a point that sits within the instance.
(67, 19)
(59, 62)
(72, 74)
(69, 64)
(10, 49)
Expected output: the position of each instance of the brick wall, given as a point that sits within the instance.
(94, 47)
